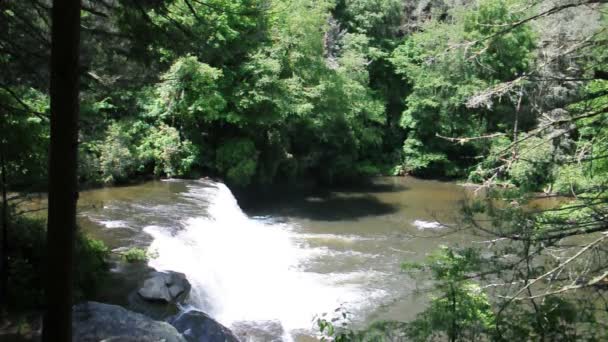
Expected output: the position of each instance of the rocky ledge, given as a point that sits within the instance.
(93, 322)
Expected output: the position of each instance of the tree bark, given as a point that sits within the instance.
(4, 219)
(4, 253)
(63, 187)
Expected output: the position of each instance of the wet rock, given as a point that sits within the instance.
(196, 326)
(269, 331)
(160, 294)
(93, 322)
(168, 287)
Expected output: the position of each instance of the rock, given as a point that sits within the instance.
(268, 331)
(94, 322)
(167, 287)
(160, 294)
(156, 310)
(196, 326)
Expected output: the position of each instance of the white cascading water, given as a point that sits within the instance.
(243, 269)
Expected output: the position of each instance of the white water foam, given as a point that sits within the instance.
(422, 225)
(114, 224)
(249, 270)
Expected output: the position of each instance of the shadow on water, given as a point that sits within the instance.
(372, 188)
(336, 208)
(316, 204)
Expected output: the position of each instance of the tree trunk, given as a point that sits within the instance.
(63, 187)
(516, 124)
(4, 253)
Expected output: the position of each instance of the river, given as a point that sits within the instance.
(283, 256)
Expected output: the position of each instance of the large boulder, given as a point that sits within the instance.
(166, 287)
(196, 326)
(94, 322)
(160, 294)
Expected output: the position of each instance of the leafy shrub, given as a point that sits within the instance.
(418, 159)
(117, 160)
(27, 264)
(26, 258)
(134, 255)
(533, 167)
(459, 308)
(89, 166)
(484, 170)
(91, 266)
(26, 136)
(367, 169)
(189, 91)
(570, 179)
(237, 160)
(170, 155)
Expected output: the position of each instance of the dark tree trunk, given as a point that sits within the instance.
(63, 187)
(4, 246)
(4, 252)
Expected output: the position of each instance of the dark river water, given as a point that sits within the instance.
(283, 256)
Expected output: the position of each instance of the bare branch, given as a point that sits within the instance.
(559, 267)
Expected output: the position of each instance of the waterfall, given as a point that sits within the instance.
(246, 269)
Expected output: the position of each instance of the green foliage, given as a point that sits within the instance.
(221, 31)
(327, 116)
(117, 156)
(89, 165)
(170, 155)
(459, 310)
(559, 316)
(585, 170)
(237, 159)
(27, 267)
(91, 267)
(188, 92)
(334, 327)
(134, 255)
(447, 63)
(571, 179)
(498, 148)
(25, 137)
(379, 19)
(337, 329)
(533, 166)
(25, 280)
(136, 148)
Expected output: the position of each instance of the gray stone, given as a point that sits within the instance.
(155, 309)
(196, 326)
(94, 322)
(160, 294)
(167, 287)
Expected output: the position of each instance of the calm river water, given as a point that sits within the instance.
(283, 256)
